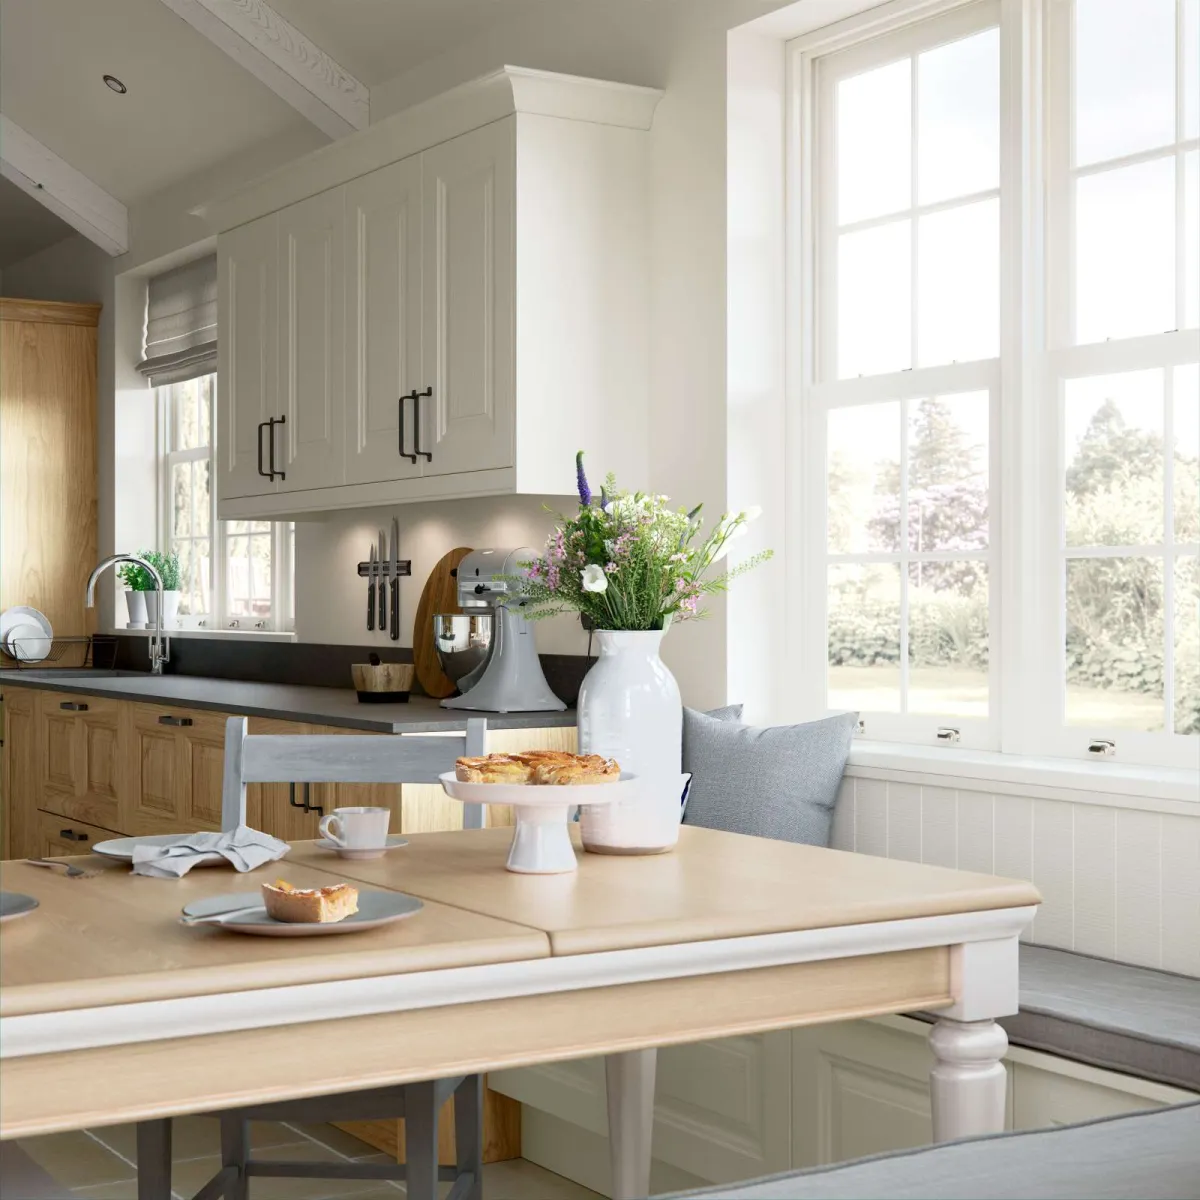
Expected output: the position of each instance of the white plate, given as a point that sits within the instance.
(21, 614)
(394, 842)
(122, 848)
(533, 795)
(14, 904)
(374, 909)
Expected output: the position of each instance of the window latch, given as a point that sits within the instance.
(948, 735)
(1101, 748)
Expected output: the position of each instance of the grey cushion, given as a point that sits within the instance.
(1147, 1156)
(776, 783)
(730, 712)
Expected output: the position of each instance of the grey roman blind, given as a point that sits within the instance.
(181, 323)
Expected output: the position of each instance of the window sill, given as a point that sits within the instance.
(233, 635)
(1164, 789)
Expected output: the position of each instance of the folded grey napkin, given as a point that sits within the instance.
(244, 848)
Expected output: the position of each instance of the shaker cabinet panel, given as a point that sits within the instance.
(469, 289)
(79, 755)
(383, 322)
(312, 297)
(59, 837)
(247, 350)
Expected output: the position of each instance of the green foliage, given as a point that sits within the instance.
(167, 565)
(135, 578)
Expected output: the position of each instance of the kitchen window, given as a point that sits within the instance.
(233, 574)
(996, 213)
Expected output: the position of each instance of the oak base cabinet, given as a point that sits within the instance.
(57, 837)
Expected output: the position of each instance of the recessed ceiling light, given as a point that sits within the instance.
(111, 81)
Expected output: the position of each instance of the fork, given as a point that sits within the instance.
(69, 869)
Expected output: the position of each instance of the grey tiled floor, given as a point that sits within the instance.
(100, 1164)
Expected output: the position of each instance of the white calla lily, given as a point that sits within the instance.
(594, 579)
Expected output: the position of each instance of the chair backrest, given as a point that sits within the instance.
(333, 758)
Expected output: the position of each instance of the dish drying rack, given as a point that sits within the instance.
(97, 650)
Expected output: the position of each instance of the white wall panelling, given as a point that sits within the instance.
(1117, 883)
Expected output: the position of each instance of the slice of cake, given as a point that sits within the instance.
(309, 905)
(493, 768)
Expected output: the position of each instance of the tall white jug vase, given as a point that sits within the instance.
(630, 710)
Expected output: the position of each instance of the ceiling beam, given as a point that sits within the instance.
(276, 53)
(66, 192)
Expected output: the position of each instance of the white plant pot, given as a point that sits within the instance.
(630, 710)
(170, 609)
(135, 603)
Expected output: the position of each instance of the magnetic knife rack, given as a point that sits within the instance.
(368, 570)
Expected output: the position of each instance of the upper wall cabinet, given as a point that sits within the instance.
(450, 303)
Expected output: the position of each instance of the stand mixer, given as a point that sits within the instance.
(511, 679)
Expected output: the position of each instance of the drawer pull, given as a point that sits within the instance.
(72, 706)
(70, 835)
(177, 721)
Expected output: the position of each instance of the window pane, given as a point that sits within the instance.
(1124, 77)
(207, 387)
(1187, 645)
(1191, 239)
(948, 638)
(194, 577)
(202, 511)
(1113, 443)
(874, 128)
(958, 284)
(182, 506)
(248, 571)
(874, 300)
(948, 473)
(1114, 650)
(1125, 252)
(864, 637)
(1186, 422)
(958, 118)
(1191, 68)
(863, 459)
(186, 402)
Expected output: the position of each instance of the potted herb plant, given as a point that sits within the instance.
(633, 566)
(137, 583)
(167, 565)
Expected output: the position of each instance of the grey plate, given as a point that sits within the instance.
(122, 848)
(14, 904)
(374, 909)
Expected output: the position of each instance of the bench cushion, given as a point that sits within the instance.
(1129, 1019)
(1147, 1156)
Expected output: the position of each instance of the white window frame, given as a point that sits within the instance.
(282, 617)
(1026, 572)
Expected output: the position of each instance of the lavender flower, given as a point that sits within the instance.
(585, 492)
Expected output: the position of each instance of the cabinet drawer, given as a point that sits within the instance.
(58, 837)
(80, 757)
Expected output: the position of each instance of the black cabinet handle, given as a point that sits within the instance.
(261, 426)
(72, 706)
(303, 804)
(179, 722)
(70, 835)
(272, 422)
(404, 453)
(417, 424)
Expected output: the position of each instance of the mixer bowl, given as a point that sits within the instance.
(463, 642)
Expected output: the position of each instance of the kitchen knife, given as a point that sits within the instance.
(382, 585)
(394, 574)
(371, 591)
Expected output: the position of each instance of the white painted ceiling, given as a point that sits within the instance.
(188, 106)
(25, 225)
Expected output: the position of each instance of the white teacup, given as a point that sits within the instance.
(357, 828)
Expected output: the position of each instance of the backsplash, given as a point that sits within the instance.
(1119, 883)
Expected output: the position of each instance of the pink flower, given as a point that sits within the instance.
(609, 568)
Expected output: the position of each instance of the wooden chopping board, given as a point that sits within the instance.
(439, 595)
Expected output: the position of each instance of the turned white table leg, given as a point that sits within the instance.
(630, 1083)
(968, 1083)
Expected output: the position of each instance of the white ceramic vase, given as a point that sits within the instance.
(170, 608)
(630, 710)
(135, 603)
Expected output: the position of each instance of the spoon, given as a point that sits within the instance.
(221, 917)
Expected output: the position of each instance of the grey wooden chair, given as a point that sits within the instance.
(330, 758)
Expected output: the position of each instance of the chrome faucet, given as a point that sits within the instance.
(160, 647)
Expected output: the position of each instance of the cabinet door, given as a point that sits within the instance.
(80, 755)
(61, 837)
(176, 765)
(312, 333)
(468, 288)
(383, 321)
(19, 802)
(247, 356)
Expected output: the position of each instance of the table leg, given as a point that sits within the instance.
(154, 1160)
(968, 1082)
(630, 1083)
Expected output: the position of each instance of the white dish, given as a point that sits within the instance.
(22, 614)
(27, 642)
(122, 848)
(15, 904)
(374, 909)
(394, 842)
(541, 842)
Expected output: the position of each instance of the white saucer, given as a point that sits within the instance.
(30, 631)
(394, 842)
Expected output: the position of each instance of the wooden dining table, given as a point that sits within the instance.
(112, 1011)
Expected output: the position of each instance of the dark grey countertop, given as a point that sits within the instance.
(285, 702)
